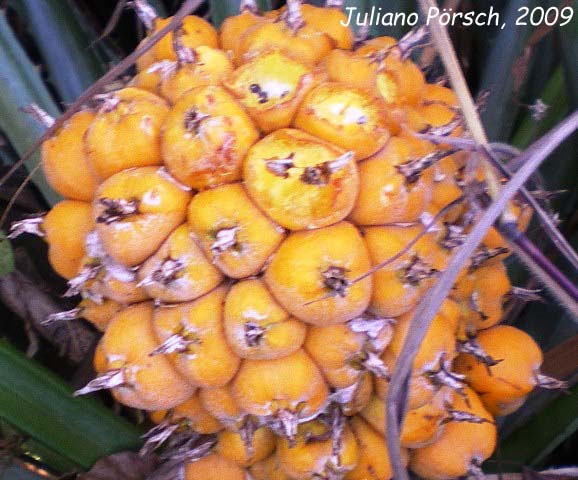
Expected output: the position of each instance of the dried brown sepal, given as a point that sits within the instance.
(88, 272)
(526, 294)
(116, 210)
(39, 115)
(64, 316)
(321, 174)
(445, 377)
(550, 383)
(462, 416)
(472, 347)
(416, 270)
(157, 436)
(247, 433)
(193, 120)
(334, 279)
(28, 225)
(176, 343)
(284, 424)
(184, 54)
(225, 240)
(483, 254)
(253, 334)
(475, 470)
(292, 15)
(374, 364)
(280, 166)
(110, 379)
(415, 38)
(454, 236)
(413, 169)
(146, 14)
(165, 274)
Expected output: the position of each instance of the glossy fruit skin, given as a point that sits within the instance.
(207, 361)
(295, 275)
(360, 127)
(293, 383)
(289, 196)
(459, 444)
(228, 208)
(385, 195)
(196, 32)
(249, 305)
(230, 445)
(64, 160)
(194, 276)
(205, 138)
(130, 113)
(161, 208)
(271, 87)
(374, 460)
(152, 383)
(310, 456)
(503, 387)
(66, 226)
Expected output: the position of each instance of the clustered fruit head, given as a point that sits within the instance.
(245, 221)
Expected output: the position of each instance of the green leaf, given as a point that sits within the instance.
(221, 9)
(21, 85)
(6, 255)
(64, 46)
(555, 96)
(41, 405)
(530, 444)
(498, 78)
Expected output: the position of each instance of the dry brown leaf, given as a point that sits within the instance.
(120, 466)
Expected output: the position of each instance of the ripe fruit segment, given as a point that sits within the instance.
(135, 211)
(256, 326)
(205, 138)
(129, 114)
(318, 266)
(232, 231)
(300, 181)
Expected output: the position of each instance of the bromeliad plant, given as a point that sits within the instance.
(293, 240)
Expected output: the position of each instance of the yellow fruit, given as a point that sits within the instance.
(374, 460)
(312, 272)
(195, 32)
(320, 449)
(290, 389)
(256, 326)
(139, 380)
(65, 227)
(234, 234)
(126, 132)
(270, 87)
(64, 160)
(192, 336)
(178, 271)
(135, 211)
(299, 181)
(349, 117)
(461, 447)
(205, 138)
(246, 452)
(503, 386)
